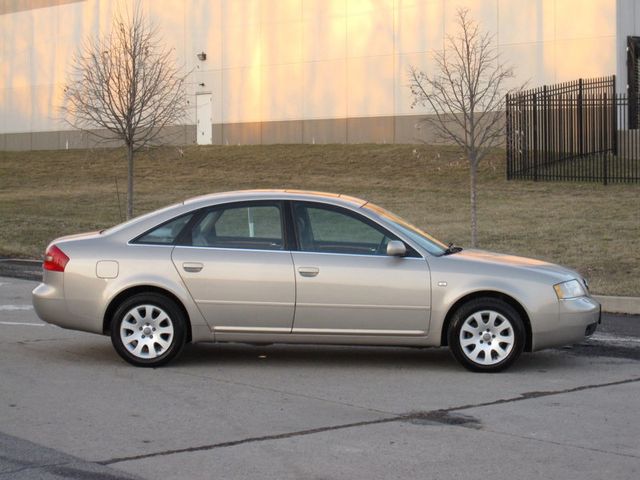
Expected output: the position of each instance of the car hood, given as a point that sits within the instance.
(552, 270)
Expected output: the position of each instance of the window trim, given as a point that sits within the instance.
(287, 220)
(411, 251)
(291, 232)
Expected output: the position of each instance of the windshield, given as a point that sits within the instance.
(426, 241)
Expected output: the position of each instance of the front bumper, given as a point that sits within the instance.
(577, 318)
(591, 329)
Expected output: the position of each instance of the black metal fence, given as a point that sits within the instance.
(573, 131)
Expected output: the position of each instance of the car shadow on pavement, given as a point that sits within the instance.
(311, 357)
(282, 355)
(97, 351)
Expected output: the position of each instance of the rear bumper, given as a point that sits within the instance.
(50, 305)
(577, 319)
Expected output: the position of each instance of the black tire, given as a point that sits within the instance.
(489, 360)
(149, 304)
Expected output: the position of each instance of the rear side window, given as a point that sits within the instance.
(246, 226)
(165, 234)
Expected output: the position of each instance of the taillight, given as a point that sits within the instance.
(55, 259)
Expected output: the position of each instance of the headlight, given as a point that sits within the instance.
(570, 289)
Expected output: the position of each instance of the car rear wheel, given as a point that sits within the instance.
(148, 330)
(486, 335)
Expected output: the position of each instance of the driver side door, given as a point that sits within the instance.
(346, 284)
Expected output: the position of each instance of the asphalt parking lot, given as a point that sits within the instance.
(70, 408)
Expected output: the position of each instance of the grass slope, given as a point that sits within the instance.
(590, 227)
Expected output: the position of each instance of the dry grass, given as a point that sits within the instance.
(590, 227)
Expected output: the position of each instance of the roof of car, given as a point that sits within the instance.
(150, 219)
(264, 194)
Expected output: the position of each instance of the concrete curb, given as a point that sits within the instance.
(627, 305)
(31, 270)
(23, 269)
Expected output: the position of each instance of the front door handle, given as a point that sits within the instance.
(308, 271)
(192, 267)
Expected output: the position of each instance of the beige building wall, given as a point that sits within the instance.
(295, 70)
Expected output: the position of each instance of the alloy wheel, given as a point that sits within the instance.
(486, 337)
(146, 331)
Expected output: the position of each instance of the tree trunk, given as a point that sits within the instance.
(130, 182)
(474, 204)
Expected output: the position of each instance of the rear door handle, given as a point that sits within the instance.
(192, 267)
(308, 271)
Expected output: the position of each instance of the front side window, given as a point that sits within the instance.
(426, 241)
(327, 229)
(247, 226)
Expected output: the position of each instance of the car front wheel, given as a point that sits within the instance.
(486, 335)
(148, 330)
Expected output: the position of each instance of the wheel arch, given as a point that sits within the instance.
(488, 294)
(129, 292)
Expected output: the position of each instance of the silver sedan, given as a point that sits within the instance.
(267, 266)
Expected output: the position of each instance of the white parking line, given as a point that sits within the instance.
(13, 308)
(24, 323)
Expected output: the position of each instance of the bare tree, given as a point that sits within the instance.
(466, 96)
(125, 86)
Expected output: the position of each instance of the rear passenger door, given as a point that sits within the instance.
(233, 260)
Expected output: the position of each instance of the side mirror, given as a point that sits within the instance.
(396, 248)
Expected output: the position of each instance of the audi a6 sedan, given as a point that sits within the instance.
(266, 266)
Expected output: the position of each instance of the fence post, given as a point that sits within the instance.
(523, 136)
(614, 118)
(603, 150)
(508, 134)
(545, 128)
(580, 127)
(535, 137)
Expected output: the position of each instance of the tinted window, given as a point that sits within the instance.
(248, 226)
(330, 230)
(166, 233)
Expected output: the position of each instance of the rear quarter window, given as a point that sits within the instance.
(166, 233)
